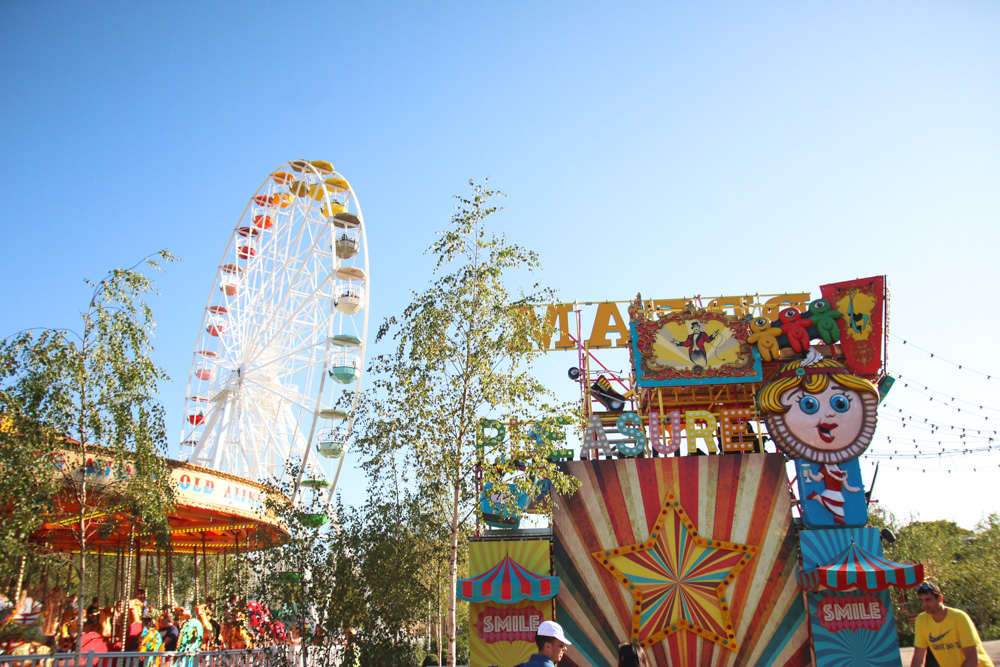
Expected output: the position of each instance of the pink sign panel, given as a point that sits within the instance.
(508, 624)
(857, 612)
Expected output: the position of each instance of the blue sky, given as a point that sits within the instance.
(668, 148)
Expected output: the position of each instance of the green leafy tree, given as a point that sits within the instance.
(347, 572)
(295, 574)
(387, 539)
(463, 349)
(965, 563)
(29, 482)
(436, 538)
(69, 397)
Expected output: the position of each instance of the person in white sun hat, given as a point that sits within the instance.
(551, 643)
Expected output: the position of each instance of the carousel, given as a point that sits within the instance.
(274, 382)
(216, 517)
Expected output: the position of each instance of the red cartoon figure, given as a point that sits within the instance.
(794, 326)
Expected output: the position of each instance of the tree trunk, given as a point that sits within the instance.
(81, 593)
(438, 620)
(82, 505)
(453, 573)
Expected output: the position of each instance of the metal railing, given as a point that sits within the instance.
(316, 656)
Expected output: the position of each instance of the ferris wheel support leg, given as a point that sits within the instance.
(312, 425)
(306, 451)
(199, 449)
(217, 445)
(302, 470)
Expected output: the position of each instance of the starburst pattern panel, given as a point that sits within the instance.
(678, 579)
(694, 574)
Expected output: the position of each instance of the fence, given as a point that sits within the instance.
(316, 656)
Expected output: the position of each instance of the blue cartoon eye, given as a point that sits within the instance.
(840, 402)
(808, 405)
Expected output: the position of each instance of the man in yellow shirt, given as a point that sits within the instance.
(948, 633)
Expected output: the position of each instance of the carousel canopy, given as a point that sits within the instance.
(214, 512)
(508, 582)
(856, 569)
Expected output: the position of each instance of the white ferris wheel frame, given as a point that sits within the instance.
(259, 392)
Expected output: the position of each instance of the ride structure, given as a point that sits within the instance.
(721, 515)
(277, 366)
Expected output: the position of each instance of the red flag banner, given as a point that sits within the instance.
(864, 305)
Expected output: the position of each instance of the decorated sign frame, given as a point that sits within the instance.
(816, 410)
(693, 346)
(510, 593)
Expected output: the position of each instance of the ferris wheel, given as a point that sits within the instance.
(277, 367)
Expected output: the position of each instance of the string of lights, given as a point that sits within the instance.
(944, 443)
(921, 423)
(962, 367)
(910, 446)
(879, 454)
(951, 399)
(948, 470)
(909, 382)
(916, 442)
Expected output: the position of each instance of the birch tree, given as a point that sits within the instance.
(71, 396)
(462, 352)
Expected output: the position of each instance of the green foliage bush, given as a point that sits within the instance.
(965, 563)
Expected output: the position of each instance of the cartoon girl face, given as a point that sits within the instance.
(833, 425)
(829, 421)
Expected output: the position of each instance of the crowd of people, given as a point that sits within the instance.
(47, 623)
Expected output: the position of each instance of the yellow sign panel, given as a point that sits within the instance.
(504, 634)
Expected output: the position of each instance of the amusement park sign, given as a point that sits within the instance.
(851, 613)
(508, 623)
(602, 321)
